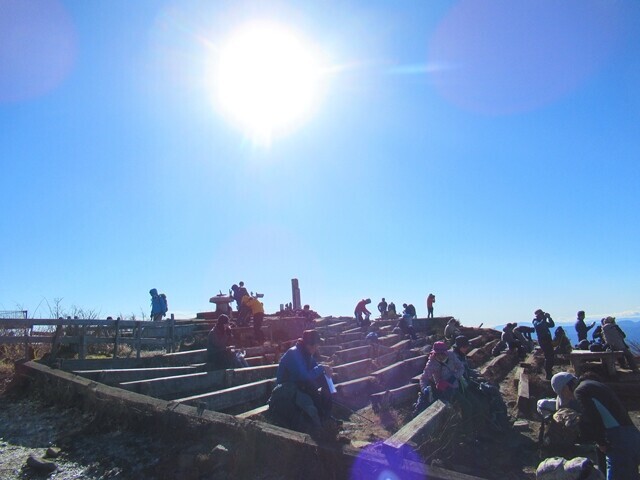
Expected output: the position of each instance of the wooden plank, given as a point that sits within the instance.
(396, 396)
(401, 345)
(239, 376)
(423, 425)
(176, 386)
(358, 389)
(230, 397)
(352, 354)
(119, 375)
(400, 372)
(390, 339)
(349, 371)
(524, 399)
(256, 412)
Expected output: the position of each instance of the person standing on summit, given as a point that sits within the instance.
(542, 323)
(581, 328)
(431, 299)
(158, 308)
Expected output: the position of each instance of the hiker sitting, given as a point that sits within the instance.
(452, 330)
(461, 348)
(614, 337)
(301, 399)
(405, 324)
(561, 343)
(219, 354)
(443, 373)
(391, 310)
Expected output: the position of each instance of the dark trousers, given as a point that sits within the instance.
(430, 314)
(546, 344)
(623, 455)
(257, 327)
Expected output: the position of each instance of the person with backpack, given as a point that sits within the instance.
(157, 307)
(164, 305)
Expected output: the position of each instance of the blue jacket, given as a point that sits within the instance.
(296, 365)
(156, 302)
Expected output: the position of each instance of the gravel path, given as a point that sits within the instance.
(29, 427)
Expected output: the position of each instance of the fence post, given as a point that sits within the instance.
(138, 334)
(171, 332)
(116, 340)
(55, 344)
(83, 342)
(26, 344)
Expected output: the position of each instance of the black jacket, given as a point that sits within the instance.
(592, 426)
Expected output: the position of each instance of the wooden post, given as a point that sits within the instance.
(116, 340)
(171, 331)
(138, 334)
(83, 343)
(26, 343)
(55, 345)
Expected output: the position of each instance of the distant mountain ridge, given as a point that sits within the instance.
(630, 327)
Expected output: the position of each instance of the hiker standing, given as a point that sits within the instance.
(431, 299)
(158, 306)
(542, 323)
(581, 328)
(256, 309)
(382, 308)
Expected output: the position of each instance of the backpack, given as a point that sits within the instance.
(164, 306)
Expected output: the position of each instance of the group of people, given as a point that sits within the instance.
(388, 310)
(606, 336)
(219, 340)
(302, 398)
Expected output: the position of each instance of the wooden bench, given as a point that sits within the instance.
(579, 358)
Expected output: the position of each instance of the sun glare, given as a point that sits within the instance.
(268, 80)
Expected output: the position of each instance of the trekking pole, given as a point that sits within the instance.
(351, 410)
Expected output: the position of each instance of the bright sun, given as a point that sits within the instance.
(268, 80)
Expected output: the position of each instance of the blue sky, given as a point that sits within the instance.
(485, 151)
